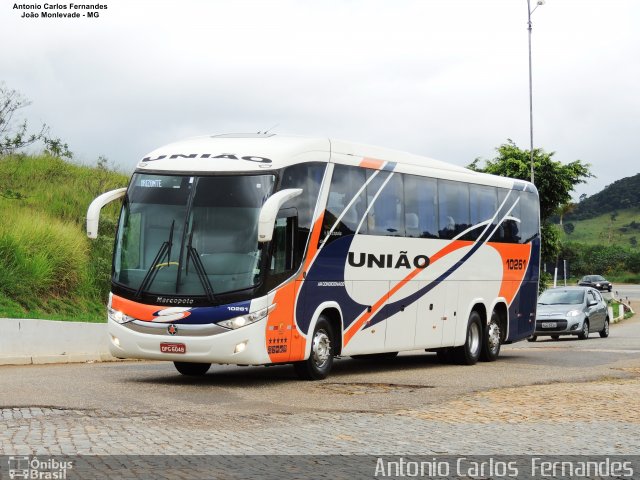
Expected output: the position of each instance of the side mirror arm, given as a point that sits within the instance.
(269, 211)
(93, 212)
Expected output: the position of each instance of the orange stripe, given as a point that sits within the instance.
(134, 309)
(371, 163)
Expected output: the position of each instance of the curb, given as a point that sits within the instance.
(38, 342)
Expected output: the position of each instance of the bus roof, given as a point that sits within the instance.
(264, 152)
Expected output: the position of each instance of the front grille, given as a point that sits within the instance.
(561, 325)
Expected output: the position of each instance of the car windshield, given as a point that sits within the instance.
(190, 235)
(595, 278)
(561, 297)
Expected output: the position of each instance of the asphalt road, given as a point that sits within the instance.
(144, 386)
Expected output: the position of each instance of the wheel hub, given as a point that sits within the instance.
(494, 336)
(474, 339)
(321, 348)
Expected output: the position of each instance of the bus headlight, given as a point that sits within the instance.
(118, 317)
(248, 319)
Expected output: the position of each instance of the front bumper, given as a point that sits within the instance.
(559, 326)
(218, 347)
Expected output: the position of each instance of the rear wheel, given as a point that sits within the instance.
(192, 369)
(491, 340)
(584, 333)
(469, 353)
(320, 360)
(604, 333)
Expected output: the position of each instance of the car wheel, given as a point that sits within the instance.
(192, 369)
(469, 353)
(491, 340)
(532, 338)
(584, 333)
(604, 333)
(610, 288)
(555, 337)
(320, 360)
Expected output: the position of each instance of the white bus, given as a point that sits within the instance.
(265, 249)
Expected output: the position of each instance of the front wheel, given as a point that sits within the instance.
(532, 338)
(192, 369)
(604, 333)
(469, 353)
(491, 340)
(584, 333)
(555, 337)
(320, 360)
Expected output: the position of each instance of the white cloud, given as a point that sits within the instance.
(444, 78)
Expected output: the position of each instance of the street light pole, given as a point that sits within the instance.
(529, 27)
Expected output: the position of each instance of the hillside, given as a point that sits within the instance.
(620, 195)
(620, 228)
(48, 267)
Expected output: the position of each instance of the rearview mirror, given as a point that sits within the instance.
(93, 213)
(269, 211)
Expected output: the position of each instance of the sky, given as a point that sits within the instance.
(447, 79)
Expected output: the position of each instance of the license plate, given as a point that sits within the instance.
(173, 348)
(549, 324)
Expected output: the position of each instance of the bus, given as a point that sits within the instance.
(262, 249)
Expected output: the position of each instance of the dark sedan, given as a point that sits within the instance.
(595, 281)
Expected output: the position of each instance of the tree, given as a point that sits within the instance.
(554, 180)
(15, 135)
(569, 228)
(565, 209)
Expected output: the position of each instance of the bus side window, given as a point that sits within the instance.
(345, 183)
(284, 248)
(453, 200)
(386, 214)
(308, 177)
(483, 203)
(529, 208)
(420, 199)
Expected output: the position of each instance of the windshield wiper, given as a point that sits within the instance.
(200, 270)
(150, 276)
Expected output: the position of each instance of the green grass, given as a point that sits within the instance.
(603, 230)
(48, 267)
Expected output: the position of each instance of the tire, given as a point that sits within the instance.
(532, 338)
(604, 333)
(192, 369)
(320, 361)
(555, 337)
(491, 340)
(376, 356)
(469, 353)
(584, 333)
(610, 288)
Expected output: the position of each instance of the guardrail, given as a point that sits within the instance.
(30, 341)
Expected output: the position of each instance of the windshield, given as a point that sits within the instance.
(188, 235)
(561, 297)
(595, 278)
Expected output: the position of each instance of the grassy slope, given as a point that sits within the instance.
(601, 230)
(48, 267)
